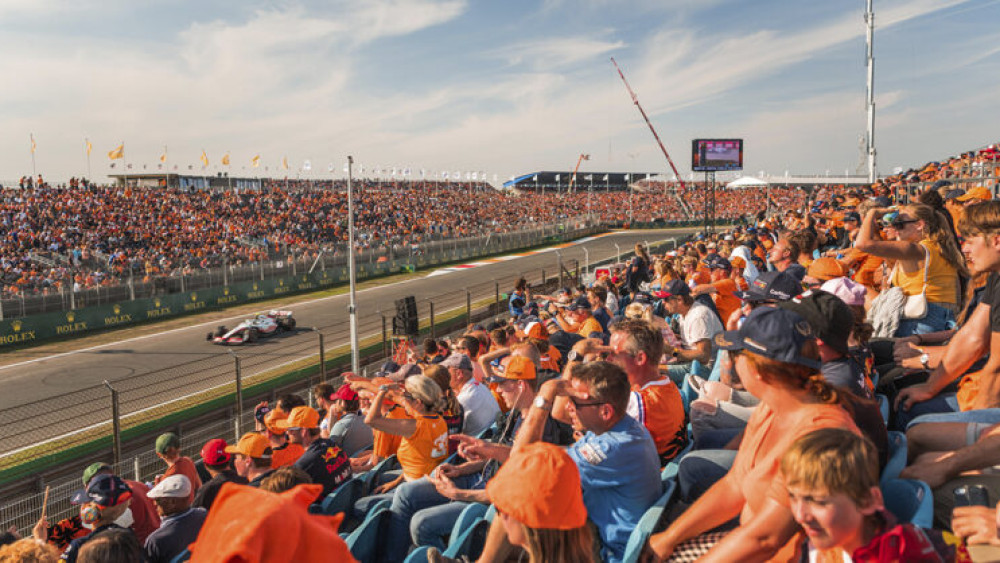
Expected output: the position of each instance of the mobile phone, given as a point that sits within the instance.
(972, 495)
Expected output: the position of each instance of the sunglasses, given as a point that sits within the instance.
(579, 405)
(898, 223)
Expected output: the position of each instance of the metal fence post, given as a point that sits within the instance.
(239, 395)
(116, 425)
(496, 285)
(468, 306)
(385, 337)
(322, 359)
(433, 327)
(544, 278)
(559, 268)
(618, 253)
(137, 468)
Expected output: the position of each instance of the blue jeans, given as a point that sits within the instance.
(937, 318)
(988, 416)
(700, 469)
(945, 403)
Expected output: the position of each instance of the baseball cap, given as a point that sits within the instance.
(540, 487)
(175, 486)
(773, 333)
(214, 452)
(535, 330)
(579, 304)
(848, 290)
(300, 417)
(166, 441)
(271, 421)
(404, 371)
(460, 361)
(672, 288)
(104, 491)
(94, 469)
(253, 444)
(738, 262)
(977, 192)
(825, 268)
(829, 317)
(720, 263)
(514, 368)
(852, 216)
(954, 194)
(771, 286)
(345, 393)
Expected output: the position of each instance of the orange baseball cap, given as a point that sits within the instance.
(978, 192)
(252, 444)
(250, 524)
(517, 368)
(300, 417)
(539, 486)
(271, 419)
(535, 330)
(825, 269)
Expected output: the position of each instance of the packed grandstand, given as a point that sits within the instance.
(813, 384)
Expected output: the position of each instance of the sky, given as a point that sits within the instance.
(501, 88)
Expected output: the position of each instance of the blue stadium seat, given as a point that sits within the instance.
(670, 470)
(897, 457)
(361, 451)
(910, 501)
(688, 394)
(364, 541)
(418, 555)
(343, 499)
(469, 515)
(470, 542)
(883, 407)
(182, 556)
(647, 524)
(372, 476)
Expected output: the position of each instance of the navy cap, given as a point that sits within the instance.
(105, 491)
(954, 194)
(852, 216)
(774, 333)
(579, 304)
(772, 286)
(720, 263)
(830, 318)
(674, 287)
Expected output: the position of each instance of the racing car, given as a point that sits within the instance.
(261, 325)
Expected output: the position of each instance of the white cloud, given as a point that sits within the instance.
(558, 52)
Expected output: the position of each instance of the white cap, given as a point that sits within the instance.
(175, 486)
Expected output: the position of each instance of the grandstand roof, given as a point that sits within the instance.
(555, 180)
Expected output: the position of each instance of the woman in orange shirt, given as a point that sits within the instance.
(777, 358)
(425, 436)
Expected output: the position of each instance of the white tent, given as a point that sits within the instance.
(746, 182)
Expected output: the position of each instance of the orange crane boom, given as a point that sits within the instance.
(572, 179)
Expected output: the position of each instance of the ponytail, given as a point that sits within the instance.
(818, 387)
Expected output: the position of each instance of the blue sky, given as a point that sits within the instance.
(497, 87)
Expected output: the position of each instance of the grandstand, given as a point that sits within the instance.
(220, 181)
(585, 181)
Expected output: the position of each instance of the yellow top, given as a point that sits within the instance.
(942, 277)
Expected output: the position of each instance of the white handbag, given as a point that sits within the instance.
(915, 306)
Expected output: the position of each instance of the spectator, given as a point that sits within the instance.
(113, 545)
(250, 524)
(350, 432)
(141, 510)
(28, 550)
(479, 406)
(283, 451)
(181, 521)
(285, 479)
(168, 448)
(578, 318)
(784, 256)
(325, 462)
(218, 463)
(518, 298)
(327, 416)
(453, 413)
(253, 458)
(107, 500)
(699, 325)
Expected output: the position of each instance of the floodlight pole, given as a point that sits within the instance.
(870, 59)
(352, 309)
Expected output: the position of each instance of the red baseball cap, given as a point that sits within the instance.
(345, 393)
(214, 452)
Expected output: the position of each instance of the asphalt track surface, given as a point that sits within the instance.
(154, 369)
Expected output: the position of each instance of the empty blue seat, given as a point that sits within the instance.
(910, 501)
(897, 457)
(364, 541)
(647, 524)
(343, 499)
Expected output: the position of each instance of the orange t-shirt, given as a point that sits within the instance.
(184, 466)
(286, 455)
(725, 297)
(427, 447)
(658, 406)
(756, 469)
(384, 444)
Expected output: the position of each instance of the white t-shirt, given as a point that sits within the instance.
(481, 409)
(700, 323)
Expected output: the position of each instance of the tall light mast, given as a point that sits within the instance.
(870, 98)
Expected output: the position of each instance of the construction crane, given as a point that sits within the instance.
(635, 99)
(572, 179)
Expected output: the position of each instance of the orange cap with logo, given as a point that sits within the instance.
(250, 524)
(826, 269)
(534, 330)
(252, 444)
(517, 367)
(539, 486)
(977, 192)
(300, 417)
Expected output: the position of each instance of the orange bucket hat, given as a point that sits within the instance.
(826, 269)
(540, 487)
(250, 524)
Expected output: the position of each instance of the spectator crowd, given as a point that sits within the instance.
(814, 385)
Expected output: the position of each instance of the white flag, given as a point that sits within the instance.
(474, 176)
(605, 177)
(589, 177)
(557, 177)
(444, 175)
(533, 178)
(307, 166)
(345, 169)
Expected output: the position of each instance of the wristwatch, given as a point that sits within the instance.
(541, 403)
(574, 356)
(925, 359)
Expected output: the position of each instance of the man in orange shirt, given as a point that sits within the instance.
(283, 452)
(725, 282)
(578, 318)
(168, 448)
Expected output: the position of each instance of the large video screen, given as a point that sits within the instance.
(714, 155)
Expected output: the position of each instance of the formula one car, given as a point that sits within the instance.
(261, 325)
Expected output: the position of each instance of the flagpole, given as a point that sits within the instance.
(33, 172)
(352, 309)
(90, 177)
